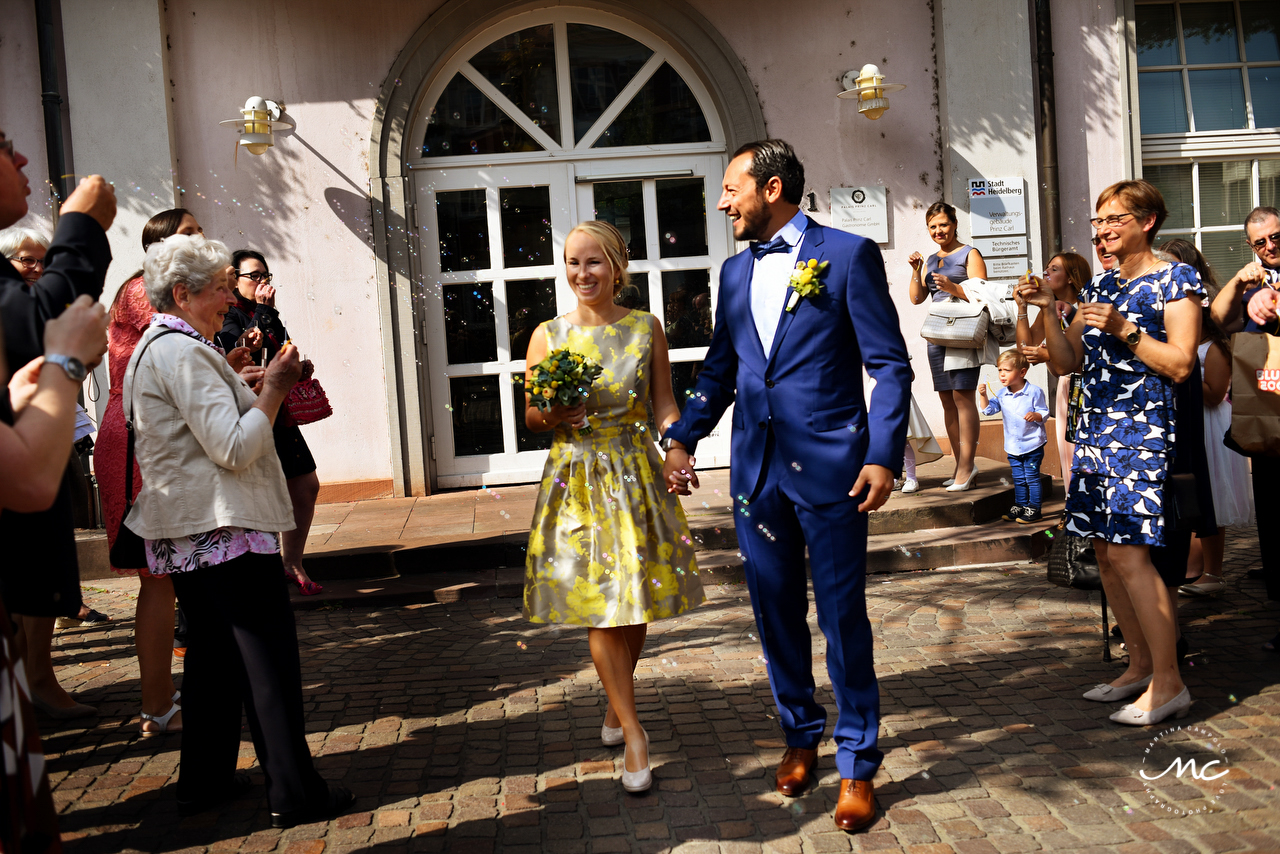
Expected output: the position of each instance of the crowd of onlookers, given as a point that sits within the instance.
(1154, 461)
(207, 489)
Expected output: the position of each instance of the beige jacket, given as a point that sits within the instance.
(208, 458)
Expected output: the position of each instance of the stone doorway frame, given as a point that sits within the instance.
(450, 27)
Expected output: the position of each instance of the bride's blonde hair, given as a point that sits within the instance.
(611, 242)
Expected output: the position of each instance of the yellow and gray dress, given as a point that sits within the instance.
(609, 546)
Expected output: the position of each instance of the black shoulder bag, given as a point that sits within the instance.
(129, 552)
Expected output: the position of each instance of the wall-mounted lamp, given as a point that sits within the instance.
(259, 120)
(869, 89)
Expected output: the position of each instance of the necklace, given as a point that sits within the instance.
(1155, 264)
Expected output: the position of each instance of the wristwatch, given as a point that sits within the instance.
(1133, 337)
(665, 444)
(74, 367)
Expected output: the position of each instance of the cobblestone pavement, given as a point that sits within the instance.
(462, 728)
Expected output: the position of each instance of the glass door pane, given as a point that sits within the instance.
(490, 266)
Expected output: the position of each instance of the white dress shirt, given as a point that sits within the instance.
(770, 278)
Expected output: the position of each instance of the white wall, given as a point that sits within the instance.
(21, 110)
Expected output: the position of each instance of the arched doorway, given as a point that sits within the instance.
(525, 125)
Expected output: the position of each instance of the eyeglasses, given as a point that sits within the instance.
(1261, 242)
(27, 261)
(258, 277)
(1111, 221)
(6, 145)
(1095, 240)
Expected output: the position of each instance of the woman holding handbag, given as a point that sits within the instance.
(941, 278)
(256, 308)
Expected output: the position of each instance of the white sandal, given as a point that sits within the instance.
(161, 721)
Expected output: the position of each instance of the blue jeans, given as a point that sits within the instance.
(1026, 478)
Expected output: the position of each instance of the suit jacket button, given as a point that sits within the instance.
(762, 425)
(768, 383)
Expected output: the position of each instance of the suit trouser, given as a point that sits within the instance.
(242, 651)
(773, 539)
(1266, 506)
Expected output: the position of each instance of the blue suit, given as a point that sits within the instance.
(802, 432)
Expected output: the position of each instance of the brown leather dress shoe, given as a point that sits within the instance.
(857, 805)
(793, 771)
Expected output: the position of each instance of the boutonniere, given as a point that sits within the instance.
(806, 281)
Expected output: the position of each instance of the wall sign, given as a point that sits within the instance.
(997, 206)
(993, 246)
(861, 210)
(1006, 268)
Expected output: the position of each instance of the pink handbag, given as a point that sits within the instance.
(307, 402)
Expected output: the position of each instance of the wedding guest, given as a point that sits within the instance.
(618, 563)
(42, 543)
(1023, 409)
(1066, 275)
(1228, 470)
(212, 505)
(955, 371)
(34, 433)
(25, 248)
(57, 333)
(1247, 303)
(255, 309)
(1132, 338)
(153, 616)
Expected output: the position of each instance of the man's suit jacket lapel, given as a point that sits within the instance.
(810, 247)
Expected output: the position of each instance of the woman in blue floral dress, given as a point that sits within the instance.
(1133, 337)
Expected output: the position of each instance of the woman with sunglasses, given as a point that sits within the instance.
(256, 308)
(1133, 338)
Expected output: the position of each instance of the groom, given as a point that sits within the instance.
(809, 459)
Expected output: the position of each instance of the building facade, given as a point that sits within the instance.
(415, 215)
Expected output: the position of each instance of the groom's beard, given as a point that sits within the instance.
(751, 225)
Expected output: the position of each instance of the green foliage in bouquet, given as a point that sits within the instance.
(563, 378)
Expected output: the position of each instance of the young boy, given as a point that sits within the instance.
(1023, 407)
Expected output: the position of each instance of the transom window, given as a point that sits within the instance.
(572, 86)
(1208, 66)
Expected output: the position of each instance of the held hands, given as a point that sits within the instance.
(285, 368)
(1263, 306)
(678, 472)
(94, 197)
(878, 481)
(80, 331)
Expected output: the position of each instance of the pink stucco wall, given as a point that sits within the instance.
(303, 203)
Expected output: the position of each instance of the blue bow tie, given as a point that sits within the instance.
(759, 250)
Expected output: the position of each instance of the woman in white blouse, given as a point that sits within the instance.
(210, 512)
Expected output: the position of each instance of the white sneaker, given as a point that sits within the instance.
(910, 485)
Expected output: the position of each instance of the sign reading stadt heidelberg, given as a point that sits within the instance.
(997, 206)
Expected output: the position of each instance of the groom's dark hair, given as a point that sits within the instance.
(776, 158)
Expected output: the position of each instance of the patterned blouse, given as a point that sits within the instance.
(196, 551)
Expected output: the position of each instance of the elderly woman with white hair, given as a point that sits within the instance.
(25, 249)
(210, 512)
